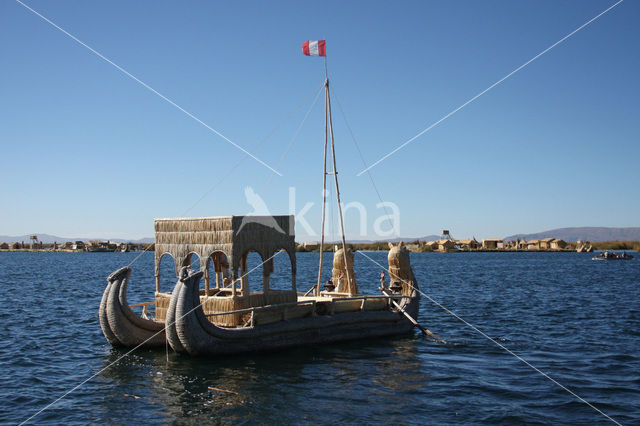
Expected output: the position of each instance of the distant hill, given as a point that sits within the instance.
(48, 239)
(589, 233)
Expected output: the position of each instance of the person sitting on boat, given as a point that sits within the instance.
(330, 286)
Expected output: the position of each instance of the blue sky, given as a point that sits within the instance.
(87, 151)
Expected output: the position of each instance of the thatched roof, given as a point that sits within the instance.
(233, 235)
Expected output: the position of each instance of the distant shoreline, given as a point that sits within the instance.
(383, 247)
(423, 247)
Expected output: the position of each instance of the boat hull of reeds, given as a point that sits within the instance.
(190, 331)
(120, 325)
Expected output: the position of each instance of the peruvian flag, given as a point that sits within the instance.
(314, 48)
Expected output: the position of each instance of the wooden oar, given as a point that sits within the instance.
(413, 321)
(310, 290)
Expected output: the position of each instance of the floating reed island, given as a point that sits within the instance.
(75, 246)
(447, 244)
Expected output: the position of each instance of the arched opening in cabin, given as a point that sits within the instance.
(166, 274)
(217, 273)
(255, 277)
(192, 260)
(166, 277)
(283, 273)
(252, 272)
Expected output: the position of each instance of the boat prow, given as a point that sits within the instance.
(120, 325)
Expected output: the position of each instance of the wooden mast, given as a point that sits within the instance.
(328, 125)
(324, 183)
(335, 177)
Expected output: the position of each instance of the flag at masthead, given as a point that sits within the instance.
(314, 48)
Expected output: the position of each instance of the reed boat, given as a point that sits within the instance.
(205, 316)
(215, 313)
(612, 255)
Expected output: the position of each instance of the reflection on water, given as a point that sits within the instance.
(236, 387)
(401, 370)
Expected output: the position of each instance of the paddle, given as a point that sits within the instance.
(413, 321)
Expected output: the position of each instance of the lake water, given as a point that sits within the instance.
(575, 319)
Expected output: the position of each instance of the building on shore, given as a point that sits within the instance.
(442, 245)
(310, 245)
(533, 245)
(558, 244)
(545, 243)
(471, 244)
(4, 246)
(492, 243)
(71, 245)
(446, 245)
(97, 245)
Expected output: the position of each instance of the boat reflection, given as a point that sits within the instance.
(239, 388)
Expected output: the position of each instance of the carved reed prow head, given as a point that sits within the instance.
(188, 274)
(400, 266)
(120, 273)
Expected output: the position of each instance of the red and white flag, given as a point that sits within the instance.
(314, 48)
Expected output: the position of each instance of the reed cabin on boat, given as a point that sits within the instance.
(225, 242)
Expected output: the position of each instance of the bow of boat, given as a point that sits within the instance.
(120, 325)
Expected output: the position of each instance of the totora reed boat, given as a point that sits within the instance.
(226, 317)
